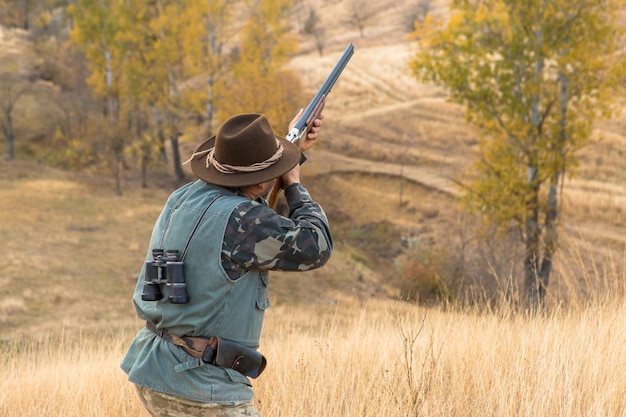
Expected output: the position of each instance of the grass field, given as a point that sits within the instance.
(373, 359)
(337, 345)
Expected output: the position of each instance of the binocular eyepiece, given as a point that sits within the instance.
(165, 268)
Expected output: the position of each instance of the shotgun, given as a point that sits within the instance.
(312, 111)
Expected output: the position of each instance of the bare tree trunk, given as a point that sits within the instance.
(533, 283)
(178, 167)
(531, 261)
(9, 134)
(112, 109)
(540, 247)
(146, 152)
(12, 88)
(144, 172)
(117, 175)
(158, 119)
(210, 107)
(550, 241)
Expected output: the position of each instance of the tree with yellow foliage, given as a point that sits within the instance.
(142, 71)
(207, 49)
(534, 75)
(161, 65)
(259, 82)
(96, 29)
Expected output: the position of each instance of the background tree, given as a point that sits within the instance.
(161, 66)
(138, 64)
(206, 47)
(171, 21)
(313, 26)
(13, 87)
(21, 13)
(360, 13)
(76, 140)
(96, 28)
(524, 70)
(418, 13)
(259, 82)
(145, 80)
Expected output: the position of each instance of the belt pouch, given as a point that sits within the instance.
(240, 358)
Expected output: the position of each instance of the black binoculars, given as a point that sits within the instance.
(165, 268)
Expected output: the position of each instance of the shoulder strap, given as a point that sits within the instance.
(193, 231)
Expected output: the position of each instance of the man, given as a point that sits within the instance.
(198, 350)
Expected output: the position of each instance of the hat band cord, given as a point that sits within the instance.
(235, 169)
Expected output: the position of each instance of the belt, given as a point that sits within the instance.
(199, 347)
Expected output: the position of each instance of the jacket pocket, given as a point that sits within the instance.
(262, 302)
(237, 377)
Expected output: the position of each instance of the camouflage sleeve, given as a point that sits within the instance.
(257, 237)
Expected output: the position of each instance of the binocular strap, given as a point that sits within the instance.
(193, 231)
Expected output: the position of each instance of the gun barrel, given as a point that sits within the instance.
(325, 89)
(316, 105)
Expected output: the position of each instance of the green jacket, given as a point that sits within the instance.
(232, 309)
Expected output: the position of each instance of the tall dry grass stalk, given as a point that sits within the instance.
(377, 359)
(570, 363)
(588, 274)
(65, 376)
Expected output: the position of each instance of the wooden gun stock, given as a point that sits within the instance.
(271, 199)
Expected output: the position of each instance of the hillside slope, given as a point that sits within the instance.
(383, 170)
(378, 112)
(381, 121)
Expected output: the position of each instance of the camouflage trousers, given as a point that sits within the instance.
(164, 405)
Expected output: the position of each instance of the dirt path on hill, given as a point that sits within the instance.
(589, 235)
(324, 162)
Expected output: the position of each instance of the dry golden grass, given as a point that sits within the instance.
(373, 359)
(65, 376)
(71, 249)
(461, 364)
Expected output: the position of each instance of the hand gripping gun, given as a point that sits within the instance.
(312, 111)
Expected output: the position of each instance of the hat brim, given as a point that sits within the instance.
(288, 160)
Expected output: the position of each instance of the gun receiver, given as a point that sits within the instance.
(313, 111)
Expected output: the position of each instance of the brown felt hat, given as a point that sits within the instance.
(245, 151)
